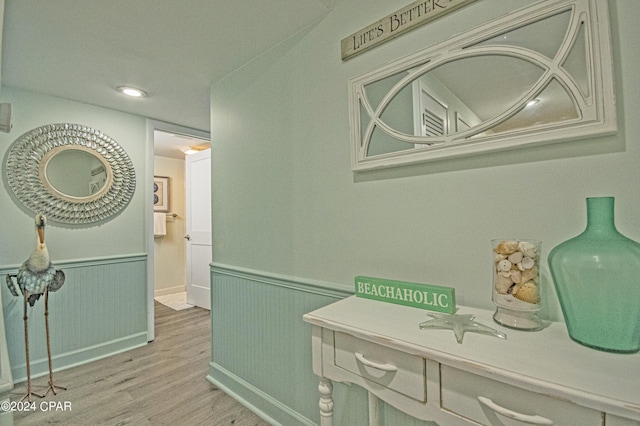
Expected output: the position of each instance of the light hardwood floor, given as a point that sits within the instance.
(162, 383)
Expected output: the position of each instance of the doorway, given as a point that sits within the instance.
(167, 245)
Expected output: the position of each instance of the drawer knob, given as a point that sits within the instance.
(534, 420)
(378, 366)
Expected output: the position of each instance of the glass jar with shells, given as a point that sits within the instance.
(516, 283)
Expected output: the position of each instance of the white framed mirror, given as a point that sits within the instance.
(72, 173)
(542, 74)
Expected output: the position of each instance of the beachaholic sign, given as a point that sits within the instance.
(408, 18)
(424, 296)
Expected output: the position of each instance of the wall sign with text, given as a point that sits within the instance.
(408, 18)
(423, 296)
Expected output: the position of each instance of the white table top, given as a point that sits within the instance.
(546, 361)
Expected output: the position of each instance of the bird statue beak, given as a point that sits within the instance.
(41, 233)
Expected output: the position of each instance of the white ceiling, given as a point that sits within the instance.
(174, 145)
(83, 49)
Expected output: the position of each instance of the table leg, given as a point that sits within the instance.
(326, 402)
(374, 410)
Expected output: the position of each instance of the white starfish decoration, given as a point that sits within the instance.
(459, 324)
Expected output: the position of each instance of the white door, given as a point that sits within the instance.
(198, 182)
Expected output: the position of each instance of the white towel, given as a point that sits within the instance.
(159, 224)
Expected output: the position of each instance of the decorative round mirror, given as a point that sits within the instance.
(71, 173)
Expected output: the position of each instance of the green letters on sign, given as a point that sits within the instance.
(424, 296)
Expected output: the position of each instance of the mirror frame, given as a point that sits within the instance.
(30, 154)
(597, 108)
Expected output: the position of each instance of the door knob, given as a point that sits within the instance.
(187, 237)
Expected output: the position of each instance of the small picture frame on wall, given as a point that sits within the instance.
(161, 194)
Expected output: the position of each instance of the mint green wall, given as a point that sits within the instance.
(261, 349)
(98, 312)
(125, 233)
(285, 199)
(286, 204)
(101, 309)
(262, 355)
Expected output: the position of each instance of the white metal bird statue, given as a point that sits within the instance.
(37, 276)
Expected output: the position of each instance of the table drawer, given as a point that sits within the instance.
(490, 402)
(399, 371)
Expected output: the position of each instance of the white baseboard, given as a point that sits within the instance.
(263, 405)
(40, 367)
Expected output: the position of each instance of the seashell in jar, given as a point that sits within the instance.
(528, 292)
(528, 249)
(504, 265)
(515, 257)
(529, 274)
(502, 284)
(516, 276)
(516, 288)
(528, 263)
(499, 257)
(507, 247)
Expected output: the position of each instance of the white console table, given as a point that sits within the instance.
(538, 378)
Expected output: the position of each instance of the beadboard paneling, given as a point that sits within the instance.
(6, 379)
(100, 310)
(261, 348)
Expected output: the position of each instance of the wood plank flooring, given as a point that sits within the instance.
(162, 383)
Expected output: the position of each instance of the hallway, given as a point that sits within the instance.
(162, 383)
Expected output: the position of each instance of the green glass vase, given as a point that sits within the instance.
(597, 279)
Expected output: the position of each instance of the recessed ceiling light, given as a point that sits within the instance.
(132, 91)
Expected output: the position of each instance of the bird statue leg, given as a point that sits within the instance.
(36, 276)
(52, 387)
(26, 345)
